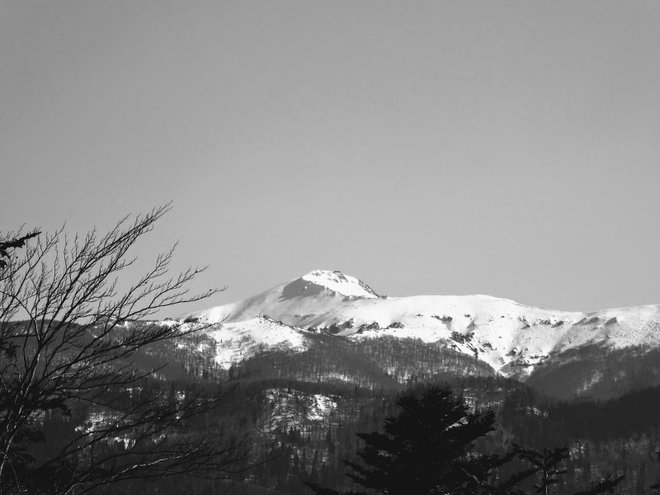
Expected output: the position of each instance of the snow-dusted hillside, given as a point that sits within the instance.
(235, 341)
(508, 336)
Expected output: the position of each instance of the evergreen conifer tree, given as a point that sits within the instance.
(547, 466)
(426, 449)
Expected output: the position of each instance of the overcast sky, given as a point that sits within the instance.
(509, 148)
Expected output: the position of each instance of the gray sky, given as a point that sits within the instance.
(501, 147)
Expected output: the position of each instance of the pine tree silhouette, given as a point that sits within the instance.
(547, 466)
(13, 243)
(548, 463)
(426, 449)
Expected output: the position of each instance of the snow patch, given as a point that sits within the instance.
(294, 410)
(238, 341)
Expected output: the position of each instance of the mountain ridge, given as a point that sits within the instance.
(514, 339)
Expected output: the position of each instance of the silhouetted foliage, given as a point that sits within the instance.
(426, 449)
(548, 467)
(548, 464)
(13, 243)
(77, 413)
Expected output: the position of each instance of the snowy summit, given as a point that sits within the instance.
(339, 283)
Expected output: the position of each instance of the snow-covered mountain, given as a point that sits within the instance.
(512, 338)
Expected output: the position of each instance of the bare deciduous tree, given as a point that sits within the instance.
(69, 337)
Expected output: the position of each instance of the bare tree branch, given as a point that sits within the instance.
(69, 338)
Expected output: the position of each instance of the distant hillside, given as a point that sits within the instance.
(561, 353)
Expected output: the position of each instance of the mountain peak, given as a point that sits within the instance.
(339, 283)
